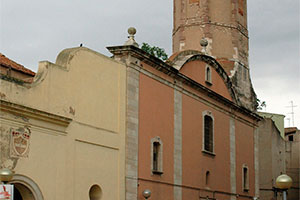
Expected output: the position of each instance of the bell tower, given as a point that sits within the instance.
(223, 23)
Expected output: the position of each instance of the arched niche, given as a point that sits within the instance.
(26, 188)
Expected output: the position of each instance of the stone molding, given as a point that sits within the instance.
(132, 134)
(177, 144)
(29, 184)
(232, 158)
(27, 112)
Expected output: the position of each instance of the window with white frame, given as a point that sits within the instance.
(208, 132)
(156, 155)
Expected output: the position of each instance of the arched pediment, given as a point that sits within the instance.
(182, 59)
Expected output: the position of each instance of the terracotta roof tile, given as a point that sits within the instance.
(4, 61)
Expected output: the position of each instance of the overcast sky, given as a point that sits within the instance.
(35, 30)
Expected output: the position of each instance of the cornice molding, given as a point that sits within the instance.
(32, 113)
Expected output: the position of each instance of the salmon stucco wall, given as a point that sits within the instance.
(156, 119)
(195, 162)
(244, 156)
(196, 71)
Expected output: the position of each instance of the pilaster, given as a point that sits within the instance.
(132, 123)
(177, 144)
(256, 161)
(232, 159)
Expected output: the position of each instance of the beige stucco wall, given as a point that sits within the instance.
(278, 120)
(67, 158)
(271, 157)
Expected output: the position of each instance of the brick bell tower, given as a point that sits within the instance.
(224, 25)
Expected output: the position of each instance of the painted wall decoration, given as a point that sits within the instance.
(20, 141)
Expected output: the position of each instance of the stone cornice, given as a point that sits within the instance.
(33, 113)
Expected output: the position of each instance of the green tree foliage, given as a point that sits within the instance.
(155, 51)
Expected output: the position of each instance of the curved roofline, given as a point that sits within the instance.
(178, 60)
(219, 69)
(65, 56)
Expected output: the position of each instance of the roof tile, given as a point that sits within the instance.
(6, 62)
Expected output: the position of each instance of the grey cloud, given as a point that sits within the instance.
(274, 47)
(44, 28)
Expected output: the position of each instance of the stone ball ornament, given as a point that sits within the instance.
(6, 175)
(131, 31)
(203, 42)
(283, 182)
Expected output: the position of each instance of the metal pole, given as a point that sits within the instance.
(284, 195)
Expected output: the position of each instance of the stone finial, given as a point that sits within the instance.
(203, 43)
(131, 41)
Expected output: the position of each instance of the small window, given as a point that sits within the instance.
(156, 155)
(207, 178)
(208, 79)
(245, 178)
(291, 138)
(208, 133)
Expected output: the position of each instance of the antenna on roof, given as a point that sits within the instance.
(292, 113)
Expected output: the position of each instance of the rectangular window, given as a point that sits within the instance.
(155, 156)
(208, 133)
(245, 179)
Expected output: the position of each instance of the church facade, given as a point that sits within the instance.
(93, 127)
(191, 121)
(187, 137)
